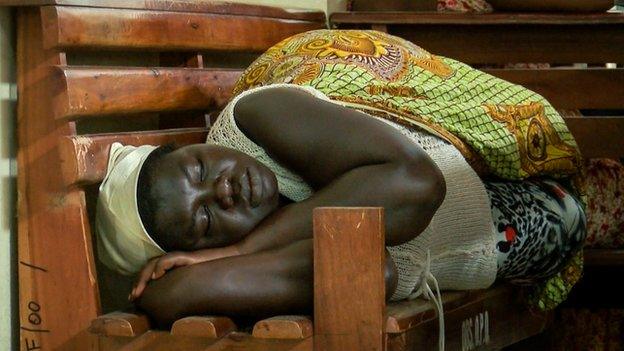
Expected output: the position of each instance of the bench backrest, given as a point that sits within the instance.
(94, 72)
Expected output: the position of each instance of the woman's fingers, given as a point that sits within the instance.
(166, 263)
(156, 268)
(143, 278)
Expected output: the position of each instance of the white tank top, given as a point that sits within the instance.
(460, 239)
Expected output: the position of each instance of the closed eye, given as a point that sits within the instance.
(202, 171)
(208, 219)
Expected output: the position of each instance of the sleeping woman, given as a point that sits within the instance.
(462, 162)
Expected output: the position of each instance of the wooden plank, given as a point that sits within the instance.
(144, 341)
(112, 342)
(407, 314)
(243, 341)
(571, 88)
(84, 158)
(120, 324)
(100, 91)
(528, 38)
(598, 136)
(98, 28)
(604, 257)
(394, 5)
(495, 318)
(349, 300)
(58, 292)
(552, 6)
(155, 340)
(284, 327)
(407, 17)
(203, 326)
(203, 6)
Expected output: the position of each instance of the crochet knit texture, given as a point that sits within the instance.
(460, 237)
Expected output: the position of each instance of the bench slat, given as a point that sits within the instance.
(99, 28)
(424, 18)
(571, 88)
(284, 327)
(89, 92)
(203, 6)
(604, 257)
(92, 92)
(203, 326)
(598, 136)
(593, 38)
(84, 158)
(120, 324)
(243, 341)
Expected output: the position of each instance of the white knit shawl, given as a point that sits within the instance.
(460, 237)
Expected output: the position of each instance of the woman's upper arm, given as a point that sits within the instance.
(320, 140)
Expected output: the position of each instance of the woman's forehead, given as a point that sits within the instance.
(171, 177)
(171, 188)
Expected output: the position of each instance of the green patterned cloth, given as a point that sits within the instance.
(502, 129)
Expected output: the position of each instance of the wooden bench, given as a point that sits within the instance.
(168, 65)
(489, 319)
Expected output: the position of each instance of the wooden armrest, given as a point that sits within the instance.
(120, 324)
(284, 327)
(203, 326)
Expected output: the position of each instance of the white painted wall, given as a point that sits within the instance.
(8, 283)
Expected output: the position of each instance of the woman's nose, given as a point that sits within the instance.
(217, 191)
(223, 192)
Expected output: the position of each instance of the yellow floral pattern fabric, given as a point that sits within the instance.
(502, 129)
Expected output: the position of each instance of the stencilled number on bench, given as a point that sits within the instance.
(475, 331)
(33, 312)
(34, 320)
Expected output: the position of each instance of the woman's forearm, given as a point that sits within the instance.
(263, 284)
(410, 195)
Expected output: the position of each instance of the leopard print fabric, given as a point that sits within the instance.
(539, 227)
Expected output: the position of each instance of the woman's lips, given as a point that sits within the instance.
(245, 186)
(256, 187)
(249, 186)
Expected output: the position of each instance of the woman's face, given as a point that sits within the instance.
(213, 196)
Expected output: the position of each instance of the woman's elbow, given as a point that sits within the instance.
(423, 192)
(436, 188)
(427, 187)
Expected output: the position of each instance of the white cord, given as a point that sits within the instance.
(425, 291)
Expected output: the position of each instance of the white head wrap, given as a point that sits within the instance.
(123, 242)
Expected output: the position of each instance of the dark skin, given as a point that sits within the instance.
(263, 265)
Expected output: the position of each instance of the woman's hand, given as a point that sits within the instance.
(158, 266)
